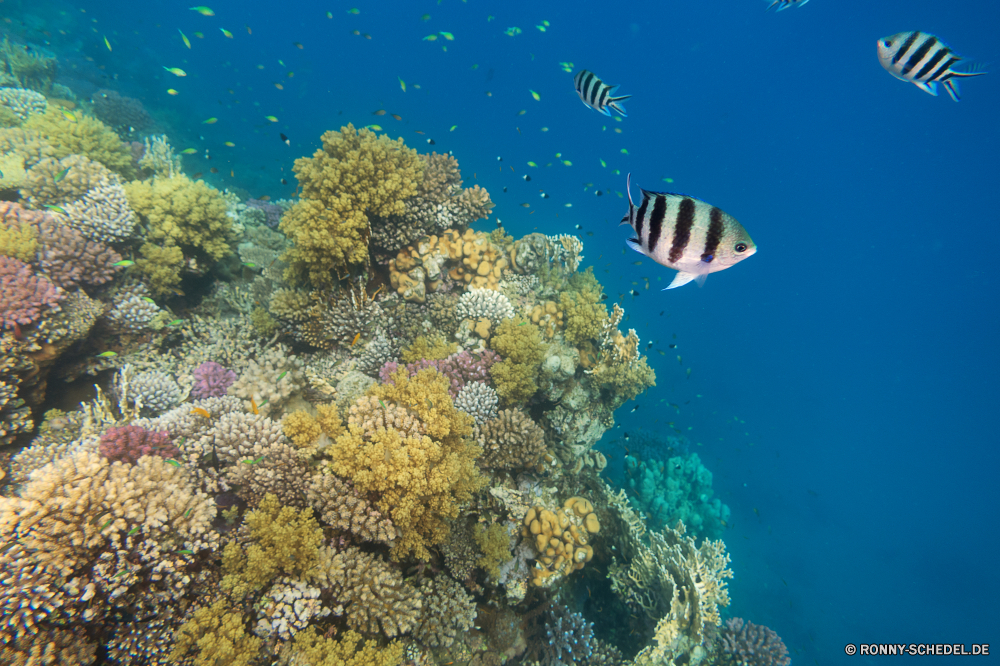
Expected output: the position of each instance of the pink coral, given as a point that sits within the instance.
(23, 294)
(753, 645)
(129, 443)
(460, 368)
(211, 380)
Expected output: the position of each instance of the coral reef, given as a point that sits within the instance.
(748, 644)
(24, 296)
(22, 102)
(129, 443)
(448, 611)
(82, 135)
(125, 115)
(510, 441)
(211, 380)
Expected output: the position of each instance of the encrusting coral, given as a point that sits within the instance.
(354, 175)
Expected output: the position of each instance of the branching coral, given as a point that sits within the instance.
(82, 135)
(24, 296)
(183, 213)
(354, 175)
(23, 102)
(341, 506)
(58, 181)
(419, 479)
(449, 611)
(215, 636)
(103, 213)
(308, 648)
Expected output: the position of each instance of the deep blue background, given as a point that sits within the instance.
(847, 373)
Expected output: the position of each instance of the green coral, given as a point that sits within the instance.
(19, 240)
(263, 322)
(282, 540)
(355, 175)
(185, 213)
(621, 382)
(216, 636)
(583, 312)
(432, 347)
(308, 648)
(161, 267)
(519, 343)
(494, 542)
(82, 136)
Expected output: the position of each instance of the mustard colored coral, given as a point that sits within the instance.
(83, 136)
(161, 267)
(420, 479)
(184, 213)
(519, 343)
(308, 648)
(215, 636)
(356, 175)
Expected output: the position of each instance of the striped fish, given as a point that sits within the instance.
(923, 60)
(597, 94)
(785, 4)
(685, 234)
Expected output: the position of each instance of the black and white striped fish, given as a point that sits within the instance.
(923, 60)
(686, 234)
(597, 94)
(785, 4)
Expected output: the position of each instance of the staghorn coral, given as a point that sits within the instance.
(354, 175)
(448, 611)
(129, 443)
(510, 441)
(211, 380)
(24, 296)
(749, 644)
(22, 102)
(339, 505)
(184, 213)
(371, 594)
(308, 648)
(44, 186)
(282, 540)
(386, 461)
(82, 136)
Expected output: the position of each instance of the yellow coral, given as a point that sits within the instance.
(354, 175)
(217, 636)
(308, 648)
(432, 347)
(83, 136)
(519, 343)
(301, 428)
(420, 480)
(19, 240)
(182, 212)
(12, 171)
(562, 538)
(470, 258)
(162, 268)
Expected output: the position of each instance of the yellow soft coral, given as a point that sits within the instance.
(354, 175)
(432, 347)
(162, 268)
(420, 480)
(18, 239)
(82, 136)
(215, 636)
(310, 649)
(519, 343)
(184, 213)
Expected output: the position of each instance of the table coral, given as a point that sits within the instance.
(354, 175)
(84, 136)
(419, 480)
(184, 213)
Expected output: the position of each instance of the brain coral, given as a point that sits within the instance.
(354, 175)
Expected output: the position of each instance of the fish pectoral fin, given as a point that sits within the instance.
(927, 86)
(624, 220)
(635, 244)
(683, 278)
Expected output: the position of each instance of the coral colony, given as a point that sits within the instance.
(342, 429)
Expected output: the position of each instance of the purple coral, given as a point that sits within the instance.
(129, 443)
(211, 380)
(752, 644)
(460, 368)
(273, 211)
(23, 294)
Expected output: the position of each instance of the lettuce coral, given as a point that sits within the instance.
(354, 175)
(83, 136)
(184, 213)
(420, 475)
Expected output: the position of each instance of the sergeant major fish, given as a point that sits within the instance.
(597, 94)
(923, 60)
(686, 234)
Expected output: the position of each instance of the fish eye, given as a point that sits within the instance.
(741, 247)
(887, 43)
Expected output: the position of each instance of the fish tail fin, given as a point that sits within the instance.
(929, 87)
(613, 102)
(975, 69)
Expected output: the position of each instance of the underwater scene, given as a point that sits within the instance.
(470, 333)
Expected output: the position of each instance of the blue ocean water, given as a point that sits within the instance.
(842, 381)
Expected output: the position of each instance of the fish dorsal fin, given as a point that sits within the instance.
(628, 189)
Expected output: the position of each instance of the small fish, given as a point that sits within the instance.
(526, 205)
(213, 170)
(187, 42)
(134, 530)
(354, 10)
(402, 84)
(381, 403)
(176, 322)
(68, 115)
(284, 182)
(785, 4)
(329, 15)
(204, 11)
(226, 33)
(396, 116)
(149, 300)
(285, 139)
(376, 128)
(281, 376)
(201, 411)
(107, 524)
(447, 35)
(686, 234)
(61, 174)
(526, 178)
(279, 86)
(923, 60)
(380, 112)
(176, 71)
(357, 336)
(598, 95)
(171, 91)
(635, 408)
(532, 164)
(185, 552)
(430, 142)
(124, 263)
(249, 264)
(107, 43)
(253, 407)
(633, 292)
(199, 35)
(425, 17)
(189, 151)
(536, 96)
(210, 121)
(298, 45)
(230, 144)
(188, 513)
(624, 151)
(107, 354)
(249, 31)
